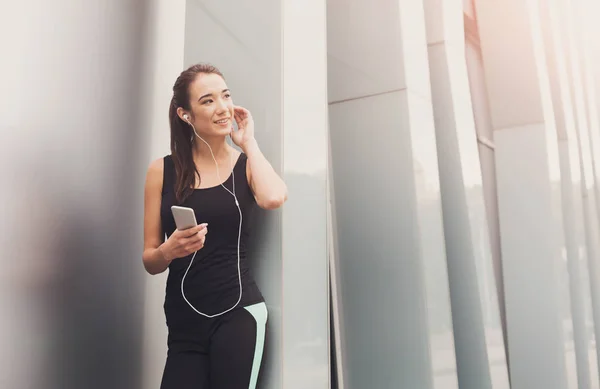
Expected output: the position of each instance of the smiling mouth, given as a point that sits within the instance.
(222, 121)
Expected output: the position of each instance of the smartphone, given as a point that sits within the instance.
(184, 217)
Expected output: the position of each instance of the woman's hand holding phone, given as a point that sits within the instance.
(184, 242)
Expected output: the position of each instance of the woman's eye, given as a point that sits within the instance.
(227, 95)
(207, 101)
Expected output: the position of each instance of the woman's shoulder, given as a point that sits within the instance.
(157, 166)
(154, 175)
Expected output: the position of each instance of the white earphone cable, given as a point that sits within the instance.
(239, 232)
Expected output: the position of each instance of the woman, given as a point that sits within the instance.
(215, 312)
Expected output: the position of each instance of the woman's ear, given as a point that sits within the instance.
(183, 115)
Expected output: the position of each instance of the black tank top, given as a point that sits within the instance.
(212, 283)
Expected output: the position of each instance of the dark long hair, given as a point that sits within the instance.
(182, 134)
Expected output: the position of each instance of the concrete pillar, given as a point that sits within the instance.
(72, 164)
(528, 176)
(163, 60)
(586, 13)
(480, 354)
(304, 132)
(393, 280)
(553, 24)
(573, 47)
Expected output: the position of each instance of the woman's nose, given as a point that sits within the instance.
(221, 106)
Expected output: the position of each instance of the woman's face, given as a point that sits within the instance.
(211, 106)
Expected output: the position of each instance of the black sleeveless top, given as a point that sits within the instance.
(212, 283)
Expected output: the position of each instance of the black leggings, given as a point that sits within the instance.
(227, 354)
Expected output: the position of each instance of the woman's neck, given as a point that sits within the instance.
(220, 149)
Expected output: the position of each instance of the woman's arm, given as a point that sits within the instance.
(153, 258)
(269, 189)
(158, 254)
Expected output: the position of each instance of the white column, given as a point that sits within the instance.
(305, 289)
(71, 162)
(573, 47)
(163, 62)
(528, 176)
(393, 280)
(587, 12)
(479, 346)
(584, 32)
(553, 22)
